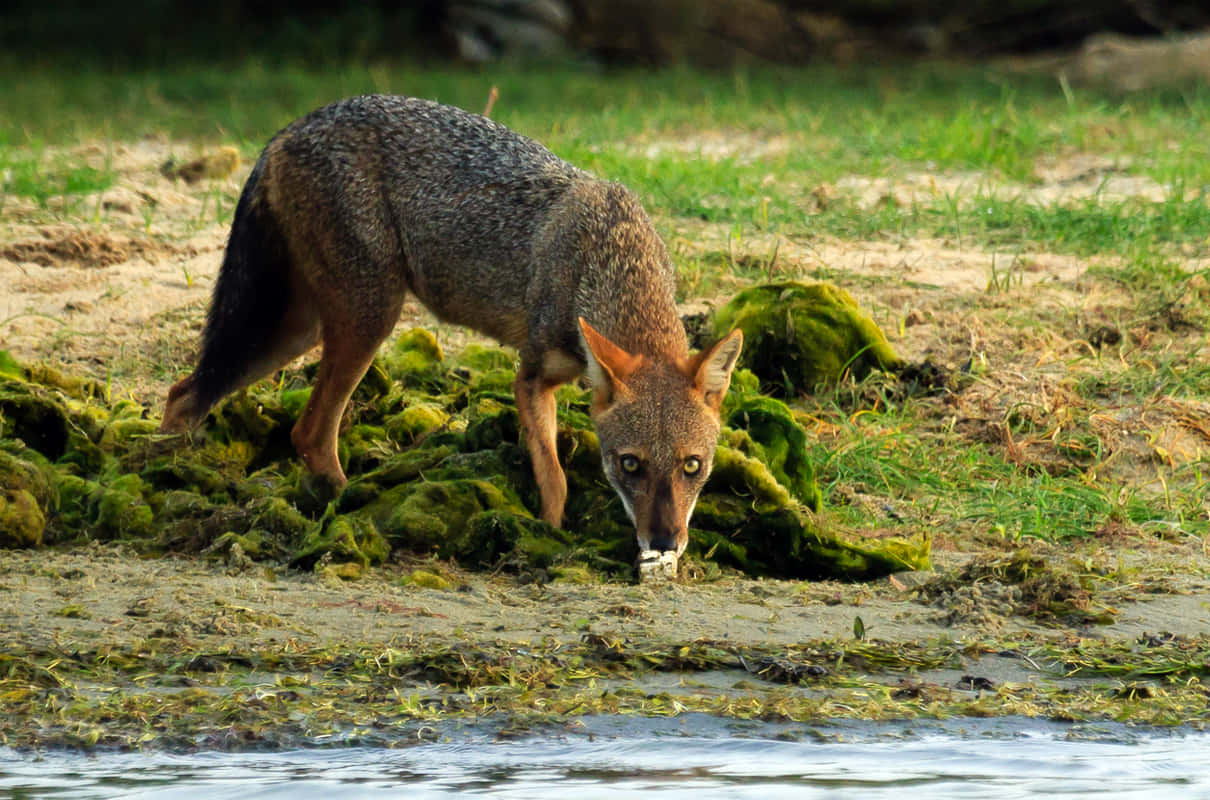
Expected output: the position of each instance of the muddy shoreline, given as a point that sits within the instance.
(103, 649)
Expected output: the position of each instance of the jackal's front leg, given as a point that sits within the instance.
(536, 407)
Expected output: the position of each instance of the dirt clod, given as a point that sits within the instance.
(82, 249)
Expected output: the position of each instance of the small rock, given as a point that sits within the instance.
(219, 164)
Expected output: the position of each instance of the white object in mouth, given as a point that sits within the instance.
(657, 566)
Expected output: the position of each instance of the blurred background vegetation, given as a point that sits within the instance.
(153, 33)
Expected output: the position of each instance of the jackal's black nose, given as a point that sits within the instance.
(664, 543)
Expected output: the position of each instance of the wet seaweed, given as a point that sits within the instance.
(1021, 583)
(164, 694)
(1173, 658)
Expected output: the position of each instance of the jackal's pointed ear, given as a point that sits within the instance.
(608, 365)
(713, 368)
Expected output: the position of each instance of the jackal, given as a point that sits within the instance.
(360, 202)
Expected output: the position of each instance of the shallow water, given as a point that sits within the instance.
(990, 760)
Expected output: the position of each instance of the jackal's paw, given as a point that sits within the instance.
(316, 491)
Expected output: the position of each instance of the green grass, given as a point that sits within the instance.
(1083, 227)
(833, 122)
(855, 119)
(1185, 374)
(33, 178)
(943, 480)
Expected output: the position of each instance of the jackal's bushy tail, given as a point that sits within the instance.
(250, 297)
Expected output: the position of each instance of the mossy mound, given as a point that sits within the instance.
(798, 336)
(764, 429)
(437, 465)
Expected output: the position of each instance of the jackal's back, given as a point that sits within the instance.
(449, 199)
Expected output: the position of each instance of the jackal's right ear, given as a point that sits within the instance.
(608, 366)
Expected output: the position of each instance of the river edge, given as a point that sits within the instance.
(101, 648)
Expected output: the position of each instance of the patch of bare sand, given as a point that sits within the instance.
(745, 147)
(81, 249)
(898, 270)
(1060, 181)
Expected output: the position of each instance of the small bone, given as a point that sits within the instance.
(657, 566)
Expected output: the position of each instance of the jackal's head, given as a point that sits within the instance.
(658, 424)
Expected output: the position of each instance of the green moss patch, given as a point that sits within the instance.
(437, 465)
(798, 336)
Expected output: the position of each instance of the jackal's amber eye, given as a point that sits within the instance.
(693, 465)
(630, 463)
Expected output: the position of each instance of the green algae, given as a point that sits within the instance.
(125, 432)
(415, 359)
(23, 469)
(36, 416)
(164, 693)
(784, 538)
(120, 509)
(21, 519)
(496, 535)
(353, 539)
(438, 467)
(799, 336)
(415, 422)
(428, 580)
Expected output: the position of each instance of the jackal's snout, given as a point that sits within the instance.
(668, 521)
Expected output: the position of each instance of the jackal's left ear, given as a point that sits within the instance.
(608, 366)
(713, 368)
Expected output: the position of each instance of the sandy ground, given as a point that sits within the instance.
(130, 599)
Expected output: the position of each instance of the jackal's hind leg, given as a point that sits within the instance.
(344, 363)
(536, 408)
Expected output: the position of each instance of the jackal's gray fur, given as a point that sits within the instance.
(463, 210)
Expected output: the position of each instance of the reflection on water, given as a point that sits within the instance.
(974, 760)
